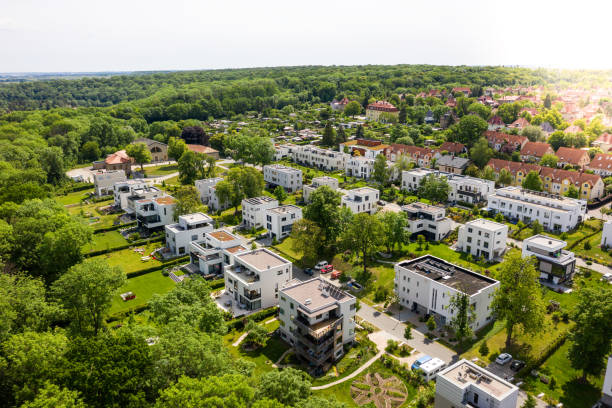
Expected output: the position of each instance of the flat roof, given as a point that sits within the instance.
(464, 373)
(285, 209)
(282, 167)
(196, 217)
(364, 190)
(318, 292)
(545, 241)
(422, 207)
(222, 235)
(167, 200)
(262, 259)
(259, 200)
(484, 223)
(234, 249)
(448, 274)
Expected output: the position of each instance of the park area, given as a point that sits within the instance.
(133, 259)
(143, 287)
(108, 240)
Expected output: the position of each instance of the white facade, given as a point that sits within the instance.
(134, 189)
(426, 284)
(325, 159)
(555, 264)
(466, 385)
(189, 228)
(483, 238)
(287, 177)
(104, 180)
(254, 210)
(427, 220)
(360, 167)
(217, 250)
(154, 213)
(253, 281)
(206, 188)
(317, 318)
(360, 200)
(554, 213)
(606, 235)
(462, 188)
(606, 397)
(317, 182)
(280, 220)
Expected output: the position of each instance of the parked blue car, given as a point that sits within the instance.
(308, 271)
(417, 364)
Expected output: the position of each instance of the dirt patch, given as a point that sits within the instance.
(382, 392)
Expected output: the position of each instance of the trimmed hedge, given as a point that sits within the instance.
(545, 354)
(156, 268)
(126, 246)
(217, 284)
(122, 315)
(239, 323)
(113, 228)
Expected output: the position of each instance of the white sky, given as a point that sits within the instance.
(112, 35)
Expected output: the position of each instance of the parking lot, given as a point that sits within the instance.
(503, 371)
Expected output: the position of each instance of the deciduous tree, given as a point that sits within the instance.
(364, 234)
(140, 153)
(532, 181)
(463, 314)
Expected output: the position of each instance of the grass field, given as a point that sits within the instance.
(144, 287)
(92, 215)
(163, 170)
(105, 240)
(569, 390)
(129, 260)
(73, 198)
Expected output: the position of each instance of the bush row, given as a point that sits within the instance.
(575, 244)
(126, 246)
(544, 354)
(114, 227)
(122, 315)
(239, 323)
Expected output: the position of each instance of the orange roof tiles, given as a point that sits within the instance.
(571, 155)
(536, 149)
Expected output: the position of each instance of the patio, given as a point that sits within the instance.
(226, 302)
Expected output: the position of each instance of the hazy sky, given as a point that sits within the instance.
(112, 35)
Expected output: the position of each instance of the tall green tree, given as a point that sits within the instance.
(187, 201)
(239, 183)
(86, 292)
(591, 335)
(288, 387)
(518, 301)
(323, 210)
(364, 234)
(52, 396)
(505, 177)
(227, 391)
(306, 239)
(140, 153)
(481, 153)
(176, 147)
(469, 129)
(352, 108)
(463, 315)
(549, 160)
(380, 172)
(532, 181)
(193, 166)
(394, 226)
(434, 188)
(280, 194)
(329, 135)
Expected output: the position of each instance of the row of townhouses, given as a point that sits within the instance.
(462, 188)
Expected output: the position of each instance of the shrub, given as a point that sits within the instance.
(484, 349)
(408, 333)
(553, 383)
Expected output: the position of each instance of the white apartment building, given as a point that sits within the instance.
(427, 220)
(324, 159)
(254, 210)
(152, 214)
(317, 318)
(362, 199)
(287, 177)
(483, 238)
(208, 196)
(280, 220)
(606, 235)
(210, 255)
(317, 182)
(255, 278)
(427, 284)
(189, 228)
(104, 180)
(360, 167)
(553, 212)
(555, 264)
(462, 188)
(606, 391)
(467, 385)
(133, 188)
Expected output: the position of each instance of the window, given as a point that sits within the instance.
(475, 398)
(291, 306)
(194, 237)
(281, 311)
(353, 306)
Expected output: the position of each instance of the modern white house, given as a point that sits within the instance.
(466, 189)
(189, 228)
(362, 199)
(427, 220)
(278, 175)
(125, 192)
(208, 196)
(254, 210)
(427, 284)
(553, 212)
(255, 277)
(606, 235)
(467, 385)
(360, 167)
(104, 180)
(555, 264)
(324, 159)
(280, 220)
(153, 214)
(483, 238)
(210, 255)
(317, 182)
(318, 319)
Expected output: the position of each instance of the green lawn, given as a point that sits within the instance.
(285, 249)
(92, 215)
(73, 198)
(144, 287)
(105, 240)
(129, 260)
(342, 392)
(569, 390)
(263, 358)
(163, 170)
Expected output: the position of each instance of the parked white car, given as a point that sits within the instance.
(320, 265)
(503, 358)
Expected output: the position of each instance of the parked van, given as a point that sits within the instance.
(419, 362)
(430, 369)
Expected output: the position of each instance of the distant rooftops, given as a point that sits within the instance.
(262, 259)
(448, 274)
